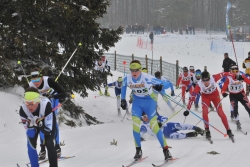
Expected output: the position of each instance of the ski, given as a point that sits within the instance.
(209, 140)
(164, 162)
(47, 160)
(135, 162)
(17, 165)
(245, 133)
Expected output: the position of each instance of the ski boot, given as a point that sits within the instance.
(199, 131)
(100, 93)
(196, 106)
(42, 155)
(230, 134)
(119, 111)
(208, 135)
(106, 93)
(191, 134)
(166, 153)
(138, 153)
(238, 124)
(58, 150)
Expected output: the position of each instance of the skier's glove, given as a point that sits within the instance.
(240, 78)
(187, 90)
(123, 104)
(172, 93)
(224, 94)
(130, 101)
(158, 87)
(186, 113)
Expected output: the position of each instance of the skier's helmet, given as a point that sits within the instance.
(191, 69)
(198, 74)
(205, 76)
(185, 69)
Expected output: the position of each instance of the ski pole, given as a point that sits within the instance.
(56, 107)
(229, 27)
(184, 107)
(125, 113)
(19, 63)
(80, 44)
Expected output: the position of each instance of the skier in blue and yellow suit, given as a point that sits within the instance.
(142, 86)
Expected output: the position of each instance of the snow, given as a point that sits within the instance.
(91, 144)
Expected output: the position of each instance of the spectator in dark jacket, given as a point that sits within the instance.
(227, 63)
(151, 36)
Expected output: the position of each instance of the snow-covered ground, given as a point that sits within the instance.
(91, 144)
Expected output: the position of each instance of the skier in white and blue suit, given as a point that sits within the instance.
(118, 87)
(142, 86)
(170, 129)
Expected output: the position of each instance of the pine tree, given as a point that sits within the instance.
(32, 31)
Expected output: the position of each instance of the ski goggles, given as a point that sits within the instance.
(31, 98)
(36, 80)
(185, 71)
(135, 70)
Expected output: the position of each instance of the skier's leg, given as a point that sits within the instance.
(149, 109)
(183, 91)
(244, 101)
(205, 105)
(136, 118)
(164, 97)
(234, 104)
(216, 101)
(32, 134)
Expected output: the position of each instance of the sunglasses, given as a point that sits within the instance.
(135, 70)
(198, 75)
(36, 80)
(205, 80)
(31, 102)
(185, 71)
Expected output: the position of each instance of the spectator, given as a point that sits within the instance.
(227, 63)
(151, 36)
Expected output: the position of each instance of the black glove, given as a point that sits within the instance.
(187, 90)
(240, 78)
(130, 101)
(158, 87)
(224, 94)
(111, 74)
(123, 104)
(186, 113)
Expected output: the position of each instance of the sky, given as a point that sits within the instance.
(91, 144)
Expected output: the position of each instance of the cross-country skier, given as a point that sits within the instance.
(142, 85)
(32, 110)
(103, 66)
(170, 129)
(118, 86)
(209, 93)
(166, 84)
(44, 84)
(233, 84)
(184, 79)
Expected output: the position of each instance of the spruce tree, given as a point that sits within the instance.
(31, 31)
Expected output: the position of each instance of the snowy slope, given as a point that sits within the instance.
(91, 144)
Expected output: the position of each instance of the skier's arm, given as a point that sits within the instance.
(218, 76)
(225, 86)
(24, 118)
(171, 85)
(111, 84)
(60, 92)
(179, 80)
(124, 88)
(193, 95)
(246, 79)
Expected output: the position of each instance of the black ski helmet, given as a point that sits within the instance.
(157, 74)
(205, 75)
(185, 69)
